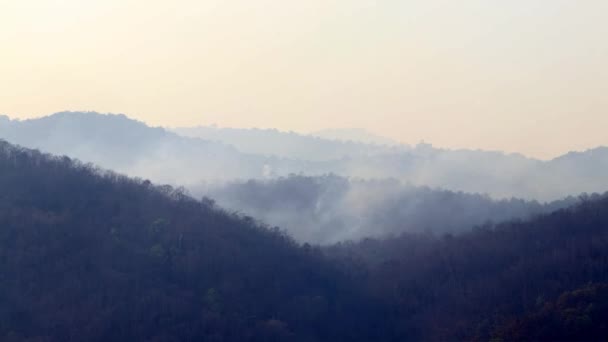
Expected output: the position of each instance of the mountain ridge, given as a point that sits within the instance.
(158, 154)
(91, 255)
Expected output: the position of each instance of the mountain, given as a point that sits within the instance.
(542, 279)
(579, 170)
(320, 209)
(288, 144)
(89, 255)
(329, 209)
(354, 134)
(131, 147)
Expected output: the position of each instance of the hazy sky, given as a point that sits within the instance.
(517, 75)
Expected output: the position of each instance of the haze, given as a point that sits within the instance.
(519, 76)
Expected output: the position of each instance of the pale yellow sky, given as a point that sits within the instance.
(519, 75)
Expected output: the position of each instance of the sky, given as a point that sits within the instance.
(524, 76)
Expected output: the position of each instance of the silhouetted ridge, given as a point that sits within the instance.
(90, 255)
(473, 286)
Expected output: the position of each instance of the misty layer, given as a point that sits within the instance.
(323, 146)
(131, 147)
(329, 209)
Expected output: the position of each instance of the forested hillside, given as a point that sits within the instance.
(89, 255)
(508, 281)
(329, 209)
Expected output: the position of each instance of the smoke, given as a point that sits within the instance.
(372, 190)
(330, 208)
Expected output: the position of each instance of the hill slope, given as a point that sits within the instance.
(89, 255)
(491, 282)
(329, 209)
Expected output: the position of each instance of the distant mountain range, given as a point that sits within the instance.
(132, 147)
(129, 146)
(354, 134)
